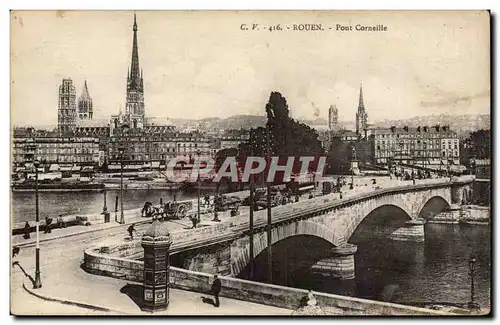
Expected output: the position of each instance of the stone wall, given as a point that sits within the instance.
(212, 260)
(475, 214)
(446, 217)
(268, 294)
(101, 263)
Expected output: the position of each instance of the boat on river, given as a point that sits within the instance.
(56, 186)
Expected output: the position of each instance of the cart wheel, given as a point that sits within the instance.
(181, 212)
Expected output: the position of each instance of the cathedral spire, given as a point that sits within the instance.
(134, 105)
(134, 66)
(361, 115)
(85, 92)
(361, 106)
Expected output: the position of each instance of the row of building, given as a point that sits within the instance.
(137, 147)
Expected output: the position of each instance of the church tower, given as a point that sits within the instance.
(85, 111)
(134, 106)
(66, 113)
(333, 117)
(361, 115)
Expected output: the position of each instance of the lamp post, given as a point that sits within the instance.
(122, 152)
(38, 281)
(30, 158)
(412, 167)
(352, 171)
(401, 155)
(198, 152)
(425, 158)
(448, 164)
(122, 217)
(251, 198)
(269, 216)
(105, 207)
(472, 268)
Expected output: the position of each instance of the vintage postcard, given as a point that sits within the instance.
(250, 163)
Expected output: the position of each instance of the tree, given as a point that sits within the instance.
(220, 157)
(287, 136)
(339, 157)
(478, 144)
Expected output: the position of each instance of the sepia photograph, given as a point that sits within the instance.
(257, 163)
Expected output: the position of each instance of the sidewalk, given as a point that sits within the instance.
(57, 233)
(116, 297)
(131, 217)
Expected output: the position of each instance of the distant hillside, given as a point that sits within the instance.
(463, 124)
(233, 122)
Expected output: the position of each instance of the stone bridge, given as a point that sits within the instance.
(327, 217)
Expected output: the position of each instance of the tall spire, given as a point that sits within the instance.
(361, 106)
(134, 67)
(85, 92)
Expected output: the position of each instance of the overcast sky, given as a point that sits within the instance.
(201, 64)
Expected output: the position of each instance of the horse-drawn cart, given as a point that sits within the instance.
(177, 210)
(224, 203)
(170, 210)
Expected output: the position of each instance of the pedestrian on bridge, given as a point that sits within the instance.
(60, 222)
(27, 230)
(131, 230)
(194, 220)
(216, 287)
(48, 222)
(216, 217)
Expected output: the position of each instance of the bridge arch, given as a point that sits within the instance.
(387, 217)
(432, 206)
(240, 257)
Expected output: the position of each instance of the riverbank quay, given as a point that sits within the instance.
(130, 216)
(86, 222)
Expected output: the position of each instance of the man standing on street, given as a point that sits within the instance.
(216, 286)
(131, 230)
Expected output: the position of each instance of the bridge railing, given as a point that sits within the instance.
(333, 200)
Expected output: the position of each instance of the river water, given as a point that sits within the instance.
(413, 273)
(53, 204)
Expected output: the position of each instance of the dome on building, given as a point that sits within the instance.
(157, 232)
